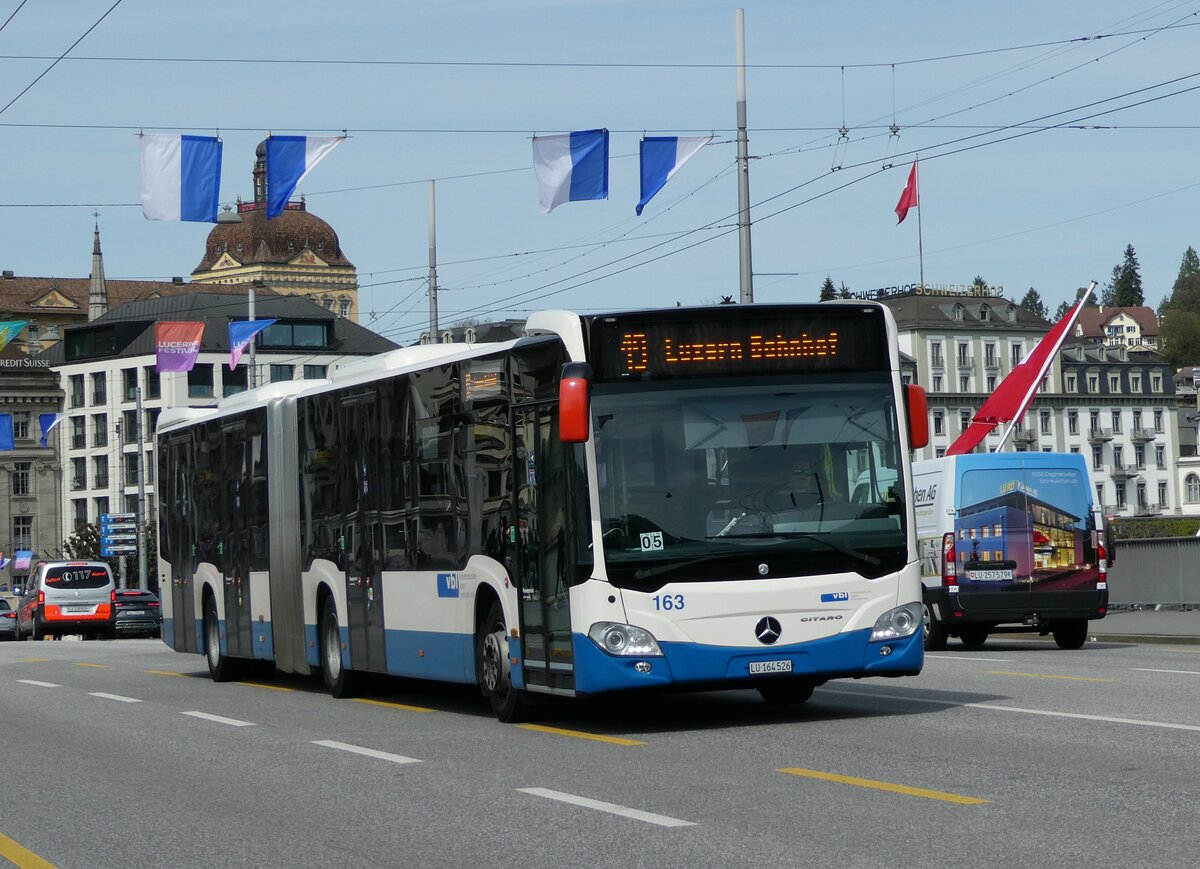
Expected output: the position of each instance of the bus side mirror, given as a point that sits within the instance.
(574, 400)
(917, 409)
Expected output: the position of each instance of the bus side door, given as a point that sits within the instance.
(359, 429)
(542, 574)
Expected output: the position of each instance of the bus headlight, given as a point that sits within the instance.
(624, 640)
(895, 624)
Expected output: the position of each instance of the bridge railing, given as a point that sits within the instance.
(1163, 570)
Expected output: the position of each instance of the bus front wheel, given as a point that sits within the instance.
(220, 666)
(340, 681)
(493, 668)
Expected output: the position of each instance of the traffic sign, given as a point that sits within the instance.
(118, 527)
(110, 518)
(119, 538)
(117, 549)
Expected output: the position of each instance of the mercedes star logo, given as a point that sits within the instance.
(768, 630)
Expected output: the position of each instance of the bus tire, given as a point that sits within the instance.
(220, 666)
(973, 638)
(338, 680)
(493, 669)
(935, 631)
(786, 692)
(1072, 634)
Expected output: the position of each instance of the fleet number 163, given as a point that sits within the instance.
(668, 601)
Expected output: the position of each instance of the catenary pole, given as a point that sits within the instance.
(743, 155)
(433, 309)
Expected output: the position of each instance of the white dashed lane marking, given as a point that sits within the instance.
(39, 684)
(117, 697)
(610, 808)
(365, 752)
(219, 719)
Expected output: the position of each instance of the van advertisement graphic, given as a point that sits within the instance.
(1024, 528)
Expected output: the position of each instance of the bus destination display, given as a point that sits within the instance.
(637, 348)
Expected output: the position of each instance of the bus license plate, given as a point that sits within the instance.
(990, 575)
(770, 667)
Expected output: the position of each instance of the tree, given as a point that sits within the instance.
(979, 283)
(1189, 266)
(1180, 334)
(1064, 308)
(845, 292)
(828, 291)
(1108, 292)
(84, 545)
(1126, 283)
(1032, 302)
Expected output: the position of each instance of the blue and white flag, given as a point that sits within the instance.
(662, 156)
(241, 333)
(48, 421)
(181, 177)
(6, 432)
(289, 159)
(571, 167)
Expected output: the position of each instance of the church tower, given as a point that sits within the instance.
(98, 294)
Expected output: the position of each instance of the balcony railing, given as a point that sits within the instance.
(1142, 434)
(1024, 436)
(1099, 435)
(1122, 471)
(964, 362)
(1147, 509)
(991, 363)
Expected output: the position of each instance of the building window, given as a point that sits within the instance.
(1141, 494)
(1158, 418)
(79, 512)
(964, 420)
(99, 388)
(1193, 488)
(1100, 494)
(1139, 455)
(20, 478)
(1044, 419)
(100, 429)
(985, 313)
(935, 354)
(938, 423)
(1159, 457)
(1137, 420)
(1075, 450)
(101, 505)
(76, 390)
(937, 383)
(964, 355)
(1071, 383)
(200, 382)
(128, 426)
(131, 469)
(317, 372)
(1018, 351)
(151, 423)
(282, 372)
(1118, 456)
(344, 306)
(958, 312)
(1093, 383)
(149, 468)
(1135, 383)
(964, 383)
(100, 471)
(21, 426)
(940, 452)
(129, 382)
(991, 383)
(1073, 422)
(1097, 464)
(79, 472)
(1114, 383)
(285, 334)
(153, 383)
(22, 532)
(233, 382)
(1120, 487)
(1156, 383)
(1116, 421)
(1162, 493)
(78, 432)
(1094, 419)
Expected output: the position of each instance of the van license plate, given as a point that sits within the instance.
(77, 609)
(770, 667)
(990, 575)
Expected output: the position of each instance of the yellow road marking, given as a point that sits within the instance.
(1045, 676)
(887, 786)
(90, 664)
(164, 673)
(265, 685)
(391, 705)
(20, 856)
(34, 660)
(579, 734)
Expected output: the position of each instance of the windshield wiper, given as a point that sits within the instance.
(806, 535)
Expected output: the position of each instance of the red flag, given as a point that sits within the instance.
(1016, 391)
(908, 199)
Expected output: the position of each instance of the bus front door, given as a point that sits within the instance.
(540, 482)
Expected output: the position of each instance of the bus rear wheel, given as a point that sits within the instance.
(1072, 634)
(220, 666)
(494, 670)
(340, 681)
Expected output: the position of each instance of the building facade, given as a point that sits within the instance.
(1112, 403)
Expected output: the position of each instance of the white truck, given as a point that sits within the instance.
(1012, 539)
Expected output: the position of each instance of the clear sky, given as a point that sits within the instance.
(453, 90)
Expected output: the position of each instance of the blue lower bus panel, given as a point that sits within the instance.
(839, 656)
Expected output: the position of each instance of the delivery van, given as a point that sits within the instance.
(1009, 539)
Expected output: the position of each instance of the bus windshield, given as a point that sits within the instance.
(707, 480)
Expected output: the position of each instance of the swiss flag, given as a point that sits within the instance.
(908, 199)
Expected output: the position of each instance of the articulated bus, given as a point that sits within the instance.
(641, 500)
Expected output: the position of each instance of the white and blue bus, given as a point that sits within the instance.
(641, 500)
